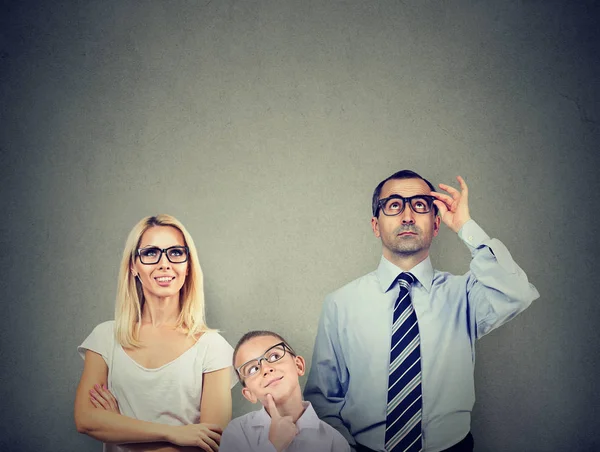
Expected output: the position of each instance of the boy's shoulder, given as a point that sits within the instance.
(251, 419)
(328, 433)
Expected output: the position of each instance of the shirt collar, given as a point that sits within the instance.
(387, 273)
(309, 418)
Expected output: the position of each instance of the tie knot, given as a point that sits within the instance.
(406, 279)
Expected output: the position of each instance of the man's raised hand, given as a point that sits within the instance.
(454, 208)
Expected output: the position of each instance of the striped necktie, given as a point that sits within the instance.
(403, 419)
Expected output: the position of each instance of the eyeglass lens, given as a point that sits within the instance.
(394, 206)
(175, 255)
(272, 355)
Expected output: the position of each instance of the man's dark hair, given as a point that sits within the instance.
(251, 335)
(404, 174)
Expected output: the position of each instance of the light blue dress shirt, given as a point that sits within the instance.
(347, 383)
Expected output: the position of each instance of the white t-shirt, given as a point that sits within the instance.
(169, 394)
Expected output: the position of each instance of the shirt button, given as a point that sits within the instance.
(470, 238)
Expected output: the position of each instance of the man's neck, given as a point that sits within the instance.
(405, 262)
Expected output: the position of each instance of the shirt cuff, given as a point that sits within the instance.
(472, 235)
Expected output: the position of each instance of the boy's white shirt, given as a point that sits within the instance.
(250, 432)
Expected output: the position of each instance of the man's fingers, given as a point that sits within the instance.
(272, 407)
(463, 186)
(442, 197)
(442, 207)
(453, 191)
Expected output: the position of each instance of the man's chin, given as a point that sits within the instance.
(407, 249)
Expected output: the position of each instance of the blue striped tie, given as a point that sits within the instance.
(403, 420)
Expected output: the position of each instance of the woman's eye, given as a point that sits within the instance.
(149, 252)
(252, 370)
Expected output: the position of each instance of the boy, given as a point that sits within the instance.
(268, 370)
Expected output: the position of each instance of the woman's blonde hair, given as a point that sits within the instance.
(130, 296)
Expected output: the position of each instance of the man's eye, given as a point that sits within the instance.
(420, 205)
(395, 205)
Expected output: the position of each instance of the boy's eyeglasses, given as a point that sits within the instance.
(272, 355)
(395, 204)
(152, 255)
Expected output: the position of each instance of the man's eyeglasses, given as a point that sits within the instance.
(272, 355)
(152, 255)
(395, 204)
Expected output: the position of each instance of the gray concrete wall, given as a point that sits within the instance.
(264, 127)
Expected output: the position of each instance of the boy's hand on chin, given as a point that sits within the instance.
(283, 430)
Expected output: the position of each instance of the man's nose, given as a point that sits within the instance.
(407, 215)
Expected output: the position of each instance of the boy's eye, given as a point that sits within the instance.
(275, 356)
(251, 370)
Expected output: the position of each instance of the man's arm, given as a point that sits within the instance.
(328, 377)
(498, 289)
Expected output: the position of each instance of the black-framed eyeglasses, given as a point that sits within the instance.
(395, 204)
(152, 254)
(272, 355)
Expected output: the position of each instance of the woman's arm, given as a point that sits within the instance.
(111, 427)
(215, 407)
(106, 425)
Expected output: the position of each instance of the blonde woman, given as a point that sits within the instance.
(156, 377)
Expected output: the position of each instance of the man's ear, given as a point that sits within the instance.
(300, 365)
(375, 226)
(436, 224)
(249, 395)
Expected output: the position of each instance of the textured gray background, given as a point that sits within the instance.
(264, 126)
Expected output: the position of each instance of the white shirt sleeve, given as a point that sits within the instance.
(218, 355)
(101, 340)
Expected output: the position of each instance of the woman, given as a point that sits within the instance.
(170, 373)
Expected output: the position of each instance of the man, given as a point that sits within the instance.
(393, 361)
